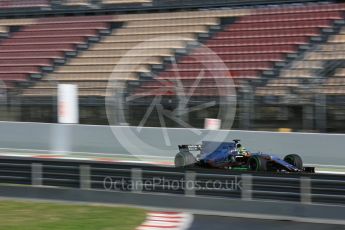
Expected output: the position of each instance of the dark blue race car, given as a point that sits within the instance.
(231, 155)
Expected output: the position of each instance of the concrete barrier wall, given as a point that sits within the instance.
(314, 148)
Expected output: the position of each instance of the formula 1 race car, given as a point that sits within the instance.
(231, 155)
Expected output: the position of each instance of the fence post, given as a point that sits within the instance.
(137, 180)
(85, 176)
(305, 190)
(189, 189)
(247, 187)
(36, 174)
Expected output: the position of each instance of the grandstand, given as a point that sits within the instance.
(286, 60)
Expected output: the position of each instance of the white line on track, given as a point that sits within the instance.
(330, 172)
(167, 220)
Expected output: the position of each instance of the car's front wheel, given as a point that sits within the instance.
(295, 160)
(257, 163)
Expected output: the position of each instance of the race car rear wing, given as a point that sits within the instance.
(189, 147)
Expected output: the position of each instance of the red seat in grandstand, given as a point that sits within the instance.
(253, 43)
(281, 25)
(209, 74)
(248, 49)
(20, 69)
(13, 77)
(27, 62)
(291, 17)
(234, 58)
(38, 44)
(23, 4)
(40, 54)
(222, 65)
(300, 9)
(258, 41)
(36, 48)
(268, 33)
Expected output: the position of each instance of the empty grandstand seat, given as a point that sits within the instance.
(113, 61)
(23, 4)
(333, 90)
(76, 19)
(249, 49)
(72, 77)
(255, 42)
(13, 77)
(222, 66)
(20, 69)
(340, 72)
(249, 74)
(234, 58)
(290, 32)
(76, 2)
(120, 52)
(39, 42)
(285, 82)
(162, 30)
(43, 41)
(32, 55)
(252, 44)
(125, 1)
(336, 14)
(37, 48)
(258, 41)
(276, 91)
(322, 23)
(103, 69)
(135, 45)
(209, 21)
(300, 9)
(335, 81)
(54, 33)
(67, 26)
(141, 42)
(26, 62)
(150, 37)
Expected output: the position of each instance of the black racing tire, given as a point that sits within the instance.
(257, 163)
(295, 160)
(184, 159)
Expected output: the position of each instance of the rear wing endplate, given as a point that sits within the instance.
(189, 147)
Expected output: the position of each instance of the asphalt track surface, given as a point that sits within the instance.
(203, 222)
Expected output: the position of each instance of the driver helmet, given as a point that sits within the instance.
(240, 149)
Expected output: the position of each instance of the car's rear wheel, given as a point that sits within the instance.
(257, 163)
(295, 160)
(184, 159)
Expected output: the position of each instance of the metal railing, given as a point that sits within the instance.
(306, 188)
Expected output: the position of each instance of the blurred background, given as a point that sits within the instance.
(258, 65)
(285, 60)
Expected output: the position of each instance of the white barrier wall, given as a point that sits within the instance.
(314, 148)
